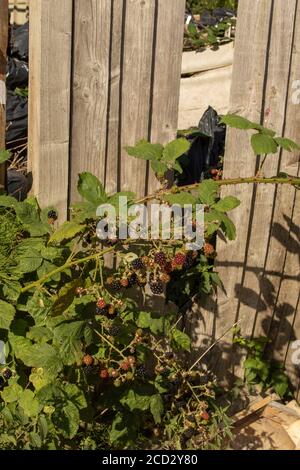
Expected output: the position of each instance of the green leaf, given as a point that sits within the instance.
(134, 400)
(65, 298)
(181, 340)
(159, 168)
(29, 261)
(238, 122)
(263, 144)
(66, 419)
(228, 227)
(29, 217)
(227, 204)
(4, 156)
(35, 440)
(7, 201)
(156, 408)
(7, 313)
(175, 149)
(29, 403)
(287, 144)
(12, 393)
(68, 338)
(66, 231)
(157, 325)
(145, 151)
(208, 192)
(180, 198)
(91, 189)
(124, 428)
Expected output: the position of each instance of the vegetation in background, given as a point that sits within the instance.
(198, 6)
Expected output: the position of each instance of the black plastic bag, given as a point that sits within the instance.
(16, 118)
(16, 74)
(207, 146)
(18, 185)
(19, 42)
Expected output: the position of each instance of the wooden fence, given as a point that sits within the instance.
(260, 270)
(3, 47)
(103, 74)
(18, 10)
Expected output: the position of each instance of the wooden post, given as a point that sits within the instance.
(3, 47)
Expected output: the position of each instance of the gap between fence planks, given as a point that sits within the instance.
(3, 47)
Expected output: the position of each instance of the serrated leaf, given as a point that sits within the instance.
(159, 168)
(180, 198)
(66, 231)
(29, 262)
(208, 192)
(91, 189)
(68, 338)
(66, 419)
(263, 144)
(28, 215)
(29, 403)
(237, 122)
(12, 393)
(181, 340)
(7, 313)
(287, 144)
(145, 151)
(227, 204)
(175, 149)
(156, 408)
(134, 400)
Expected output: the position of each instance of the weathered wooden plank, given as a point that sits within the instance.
(49, 100)
(246, 99)
(92, 26)
(115, 90)
(258, 293)
(3, 47)
(136, 89)
(166, 74)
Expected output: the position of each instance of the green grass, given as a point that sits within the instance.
(198, 6)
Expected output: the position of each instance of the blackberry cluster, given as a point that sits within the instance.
(116, 285)
(156, 287)
(114, 330)
(160, 259)
(138, 264)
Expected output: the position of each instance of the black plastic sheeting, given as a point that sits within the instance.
(207, 148)
(17, 73)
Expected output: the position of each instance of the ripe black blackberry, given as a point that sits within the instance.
(160, 259)
(114, 330)
(102, 311)
(137, 264)
(141, 371)
(116, 285)
(52, 215)
(132, 280)
(88, 370)
(156, 287)
(7, 373)
(189, 261)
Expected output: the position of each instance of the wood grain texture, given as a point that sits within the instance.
(92, 21)
(136, 89)
(3, 47)
(166, 75)
(247, 95)
(49, 100)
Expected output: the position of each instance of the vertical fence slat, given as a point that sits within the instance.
(3, 47)
(90, 88)
(167, 69)
(49, 101)
(136, 86)
(246, 99)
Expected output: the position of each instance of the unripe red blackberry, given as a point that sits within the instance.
(125, 365)
(101, 303)
(124, 282)
(165, 278)
(103, 374)
(160, 258)
(88, 360)
(208, 250)
(205, 416)
(180, 259)
(168, 267)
